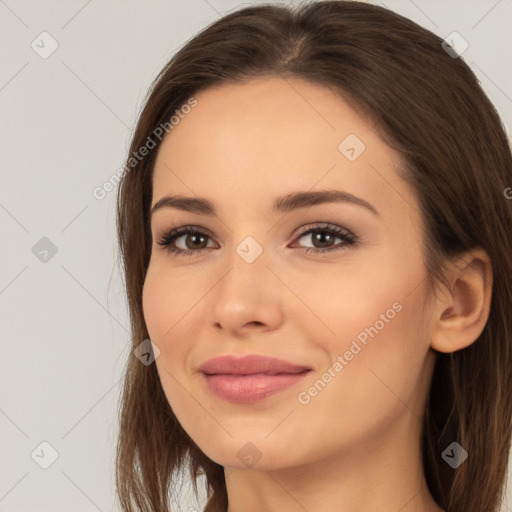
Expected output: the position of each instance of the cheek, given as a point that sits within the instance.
(383, 347)
(174, 305)
(372, 293)
(156, 307)
(165, 307)
(165, 314)
(168, 302)
(372, 316)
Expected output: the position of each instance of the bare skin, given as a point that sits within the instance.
(354, 445)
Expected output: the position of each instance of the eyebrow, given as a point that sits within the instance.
(283, 204)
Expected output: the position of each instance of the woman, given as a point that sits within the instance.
(313, 230)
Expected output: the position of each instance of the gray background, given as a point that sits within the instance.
(66, 126)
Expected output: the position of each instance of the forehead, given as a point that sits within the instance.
(271, 136)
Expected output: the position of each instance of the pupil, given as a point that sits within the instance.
(319, 237)
(195, 238)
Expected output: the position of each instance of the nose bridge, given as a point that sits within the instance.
(247, 267)
(245, 294)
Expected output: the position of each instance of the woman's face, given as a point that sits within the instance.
(253, 284)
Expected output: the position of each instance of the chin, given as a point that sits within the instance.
(254, 454)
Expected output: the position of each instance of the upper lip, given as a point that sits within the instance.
(249, 365)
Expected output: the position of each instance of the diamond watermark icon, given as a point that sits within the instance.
(454, 45)
(44, 250)
(455, 455)
(351, 147)
(44, 45)
(147, 352)
(249, 249)
(44, 455)
(249, 454)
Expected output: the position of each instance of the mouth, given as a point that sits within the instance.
(251, 387)
(249, 378)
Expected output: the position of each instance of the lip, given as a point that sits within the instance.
(249, 365)
(250, 378)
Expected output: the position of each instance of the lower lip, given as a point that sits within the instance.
(251, 388)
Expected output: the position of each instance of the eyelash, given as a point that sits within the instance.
(348, 238)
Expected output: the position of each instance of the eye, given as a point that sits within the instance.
(195, 241)
(325, 235)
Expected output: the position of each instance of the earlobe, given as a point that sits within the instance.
(462, 312)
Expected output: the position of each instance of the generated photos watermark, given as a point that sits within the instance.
(304, 397)
(158, 133)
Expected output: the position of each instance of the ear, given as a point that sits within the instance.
(463, 311)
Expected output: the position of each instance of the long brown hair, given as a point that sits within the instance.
(429, 107)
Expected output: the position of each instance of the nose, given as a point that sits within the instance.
(248, 297)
